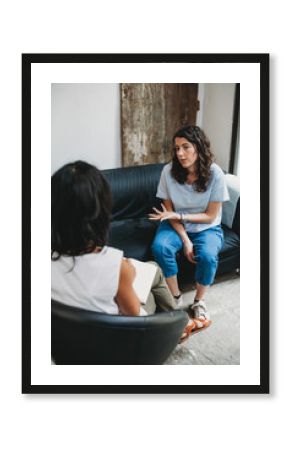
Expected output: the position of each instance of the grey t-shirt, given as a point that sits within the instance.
(187, 200)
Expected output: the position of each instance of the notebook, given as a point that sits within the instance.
(145, 273)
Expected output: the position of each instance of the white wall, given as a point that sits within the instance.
(85, 124)
(216, 118)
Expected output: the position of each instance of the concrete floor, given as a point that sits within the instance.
(220, 343)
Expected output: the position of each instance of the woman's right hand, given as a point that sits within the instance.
(188, 251)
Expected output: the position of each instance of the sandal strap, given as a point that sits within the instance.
(187, 331)
(190, 327)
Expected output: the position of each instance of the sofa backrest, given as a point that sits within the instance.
(134, 193)
(236, 221)
(231, 208)
(134, 190)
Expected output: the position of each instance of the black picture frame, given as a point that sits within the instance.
(263, 61)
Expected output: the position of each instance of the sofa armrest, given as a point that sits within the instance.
(231, 208)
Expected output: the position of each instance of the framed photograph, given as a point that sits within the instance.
(123, 113)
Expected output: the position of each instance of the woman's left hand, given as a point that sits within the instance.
(164, 215)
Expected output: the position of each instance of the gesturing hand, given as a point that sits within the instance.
(163, 215)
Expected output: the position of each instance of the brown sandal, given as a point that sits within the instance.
(188, 331)
(196, 326)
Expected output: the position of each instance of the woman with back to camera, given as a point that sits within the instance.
(86, 273)
(192, 188)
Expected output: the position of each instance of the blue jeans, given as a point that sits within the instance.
(206, 245)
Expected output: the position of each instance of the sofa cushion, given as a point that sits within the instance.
(133, 236)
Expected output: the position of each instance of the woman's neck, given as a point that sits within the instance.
(98, 250)
(191, 171)
(191, 175)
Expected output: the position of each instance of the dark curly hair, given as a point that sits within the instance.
(197, 137)
(81, 204)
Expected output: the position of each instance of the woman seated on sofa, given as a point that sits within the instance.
(86, 273)
(193, 189)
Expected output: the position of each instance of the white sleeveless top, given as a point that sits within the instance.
(89, 281)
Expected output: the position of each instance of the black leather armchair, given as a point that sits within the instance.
(86, 337)
(134, 195)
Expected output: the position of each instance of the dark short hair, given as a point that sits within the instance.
(197, 137)
(81, 204)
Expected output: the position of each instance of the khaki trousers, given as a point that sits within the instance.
(159, 296)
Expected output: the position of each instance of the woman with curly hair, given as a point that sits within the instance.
(193, 188)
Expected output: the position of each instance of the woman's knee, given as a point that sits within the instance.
(160, 248)
(207, 258)
(158, 274)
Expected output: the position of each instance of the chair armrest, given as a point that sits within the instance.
(231, 208)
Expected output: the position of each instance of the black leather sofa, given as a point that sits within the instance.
(134, 195)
